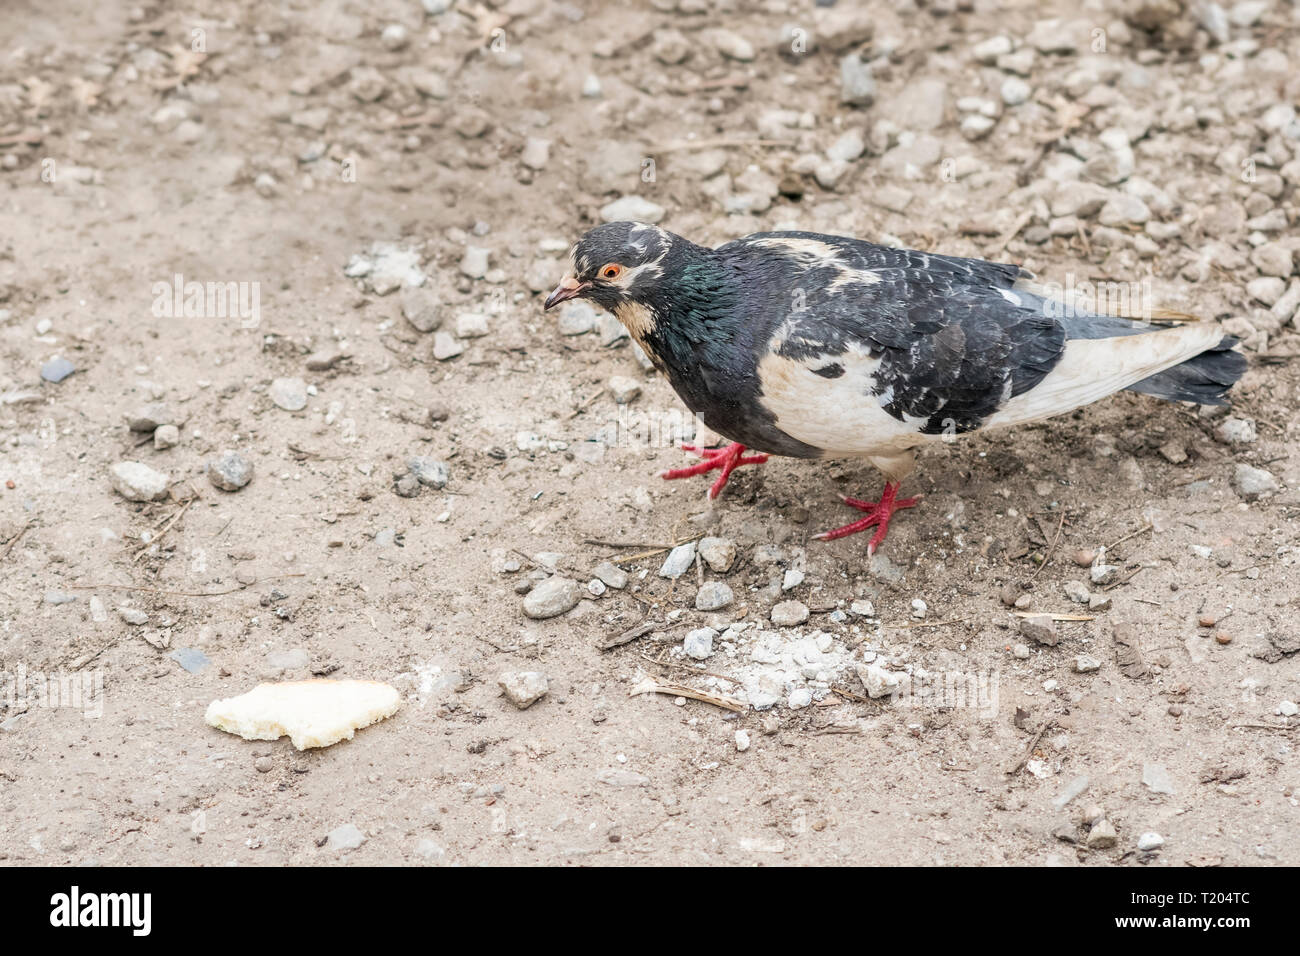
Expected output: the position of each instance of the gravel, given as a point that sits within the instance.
(138, 482)
(523, 688)
(57, 369)
(679, 561)
(699, 643)
(718, 553)
(289, 394)
(552, 597)
(789, 613)
(1252, 483)
(230, 471)
(430, 472)
(632, 208)
(345, 837)
(713, 596)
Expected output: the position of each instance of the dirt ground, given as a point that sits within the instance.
(276, 144)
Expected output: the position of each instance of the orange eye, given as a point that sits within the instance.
(611, 271)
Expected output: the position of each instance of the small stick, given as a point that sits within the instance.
(1056, 617)
(9, 546)
(585, 405)
(1050, 548)
(724, 143)
(649, 554)
(1134, 534)
(650, 686)
(174, 518)
(134, 587)
(1024, 758)
(1126, 579)
(1011, 233)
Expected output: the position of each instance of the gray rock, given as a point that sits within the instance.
(523, 688)
(679, 561)
(147, 418)
(713, 596)
(1076, 591)
(552, 597)
(137, 482)
(1156, 778)
(59, 597)
(622, 778)
(1084, 664)
(407, 486)
(536, 153)
(429, 471)
(1102, 835)
(294, 659)
(191, 659)
(789, 613)
(733, 46)
(57, 369)
(1071, 790)
(1150, 841)
(612, 575)
(632, 208)
(230, 471)
(474, 263)
(699, 643)
(289, 394)
(1273, 259)
(623, 389)
(988, 51)
(1040, 629)
(346, 837)
(133, 616)
(718, 553)
(429, 851)
(576, 318)
(1236, 431)
(1251, 482)
(1122, 209)
(857, 82)
(1015, 91)
(446, 346)
(166, 436)
(420, 308)
(848, 147)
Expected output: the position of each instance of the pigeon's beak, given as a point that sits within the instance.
(569, 288)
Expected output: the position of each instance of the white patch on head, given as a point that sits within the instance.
(839, 415)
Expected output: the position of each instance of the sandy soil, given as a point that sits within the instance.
(302, 133)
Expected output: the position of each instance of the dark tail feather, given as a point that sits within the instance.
(1204, 379)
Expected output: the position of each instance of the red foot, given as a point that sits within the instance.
(725, 458)
(878, 513)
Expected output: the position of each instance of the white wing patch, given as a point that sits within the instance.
(839, 415)
(1091, 369)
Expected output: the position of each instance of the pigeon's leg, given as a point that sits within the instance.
(878, 514)
(725, 458)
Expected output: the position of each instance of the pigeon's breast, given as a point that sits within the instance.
(830, 401)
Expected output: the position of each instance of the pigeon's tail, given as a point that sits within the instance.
(1204, 379)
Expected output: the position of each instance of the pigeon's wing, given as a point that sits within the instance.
(872, 348)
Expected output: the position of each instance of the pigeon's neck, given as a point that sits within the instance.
(693, 311)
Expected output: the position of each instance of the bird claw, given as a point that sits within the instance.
(878, 514)
(727, 459)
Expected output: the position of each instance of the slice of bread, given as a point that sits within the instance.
(314, 713)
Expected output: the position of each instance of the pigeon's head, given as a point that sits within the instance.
(615, 266)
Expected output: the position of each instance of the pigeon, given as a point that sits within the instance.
(805, 345)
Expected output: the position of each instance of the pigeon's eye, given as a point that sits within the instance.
(611, 270)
